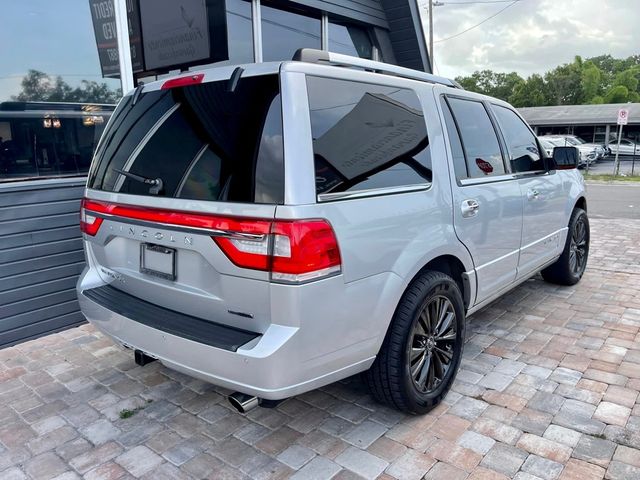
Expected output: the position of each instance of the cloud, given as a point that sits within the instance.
(532, 36)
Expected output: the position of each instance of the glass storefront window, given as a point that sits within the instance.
(239, 37)
(349, 40)
(285, 32)
(239, 32)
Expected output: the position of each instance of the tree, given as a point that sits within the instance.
(601, 79)
(617, 94)
(487, 82)
(564, 83)
(40, 87)
(628, 78)
(530, 93)
(590, 81)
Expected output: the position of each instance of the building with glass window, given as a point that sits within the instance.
(592, 123)
(53, 89)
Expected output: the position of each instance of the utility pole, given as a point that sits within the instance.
(431, 34)
(430, 6)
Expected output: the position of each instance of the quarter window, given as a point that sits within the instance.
(481, 147)
(524, 155)
(367, 136)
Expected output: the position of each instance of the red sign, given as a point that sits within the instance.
(485, 166)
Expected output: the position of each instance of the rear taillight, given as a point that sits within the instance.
(294, 251)
(304, 250)
(89, 224)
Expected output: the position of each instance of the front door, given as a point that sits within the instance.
(543, 198)
(487, 200)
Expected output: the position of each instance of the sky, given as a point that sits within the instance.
(53, 36)
(530, 36)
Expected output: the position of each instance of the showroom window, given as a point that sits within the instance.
(349, 40)
(285, 32)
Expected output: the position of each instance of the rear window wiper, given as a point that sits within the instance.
(156, 183)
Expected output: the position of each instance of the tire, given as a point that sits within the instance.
(564, 271)
(391, 377)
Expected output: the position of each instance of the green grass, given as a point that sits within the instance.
(610, 178)
(126, 413)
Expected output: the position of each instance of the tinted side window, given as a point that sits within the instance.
(202, 141)
(478, 137)
(524, 155)
(459, 163)
(366, 136)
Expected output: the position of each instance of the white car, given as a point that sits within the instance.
(627, 147)
(575, 141)
(587, 154)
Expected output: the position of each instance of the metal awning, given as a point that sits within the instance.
(604, 114)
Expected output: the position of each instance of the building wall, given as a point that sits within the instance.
(40, 257)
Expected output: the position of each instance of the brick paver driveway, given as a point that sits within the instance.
(548, 389)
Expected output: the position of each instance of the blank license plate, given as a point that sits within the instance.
(158, 261)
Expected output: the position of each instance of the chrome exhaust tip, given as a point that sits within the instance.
(243, 403)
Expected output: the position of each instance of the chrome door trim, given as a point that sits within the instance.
(509, 287)
(499, 259)
(531, 244)
(372, 192)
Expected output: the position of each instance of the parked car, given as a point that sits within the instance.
(627, 147)
(601, 150)
(280, 226)
(547, 146)
(588, 154)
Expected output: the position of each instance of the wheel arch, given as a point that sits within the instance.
(581, 203)
(452, 266)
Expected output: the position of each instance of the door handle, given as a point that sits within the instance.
(469, 208)
(532, 194)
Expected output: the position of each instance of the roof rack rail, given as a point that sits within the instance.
(312, 55)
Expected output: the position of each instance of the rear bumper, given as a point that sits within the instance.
(324, 344)
(258, 371)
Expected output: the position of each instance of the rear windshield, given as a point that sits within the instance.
(199, 142)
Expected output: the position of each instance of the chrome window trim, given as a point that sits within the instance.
(373, 192)
(501, 178)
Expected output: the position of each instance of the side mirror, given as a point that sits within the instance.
(566, 158)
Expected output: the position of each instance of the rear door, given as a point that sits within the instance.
(543, 195)
(185, 181)
(486, 198)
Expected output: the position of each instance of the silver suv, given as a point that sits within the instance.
(276, 227)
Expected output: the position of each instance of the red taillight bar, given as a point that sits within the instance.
(183, 81)
(293, 251)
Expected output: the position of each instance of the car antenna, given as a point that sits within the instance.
(234, 79)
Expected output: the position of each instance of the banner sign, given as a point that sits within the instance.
(104, 26)
(164, 34)
(175, 32)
